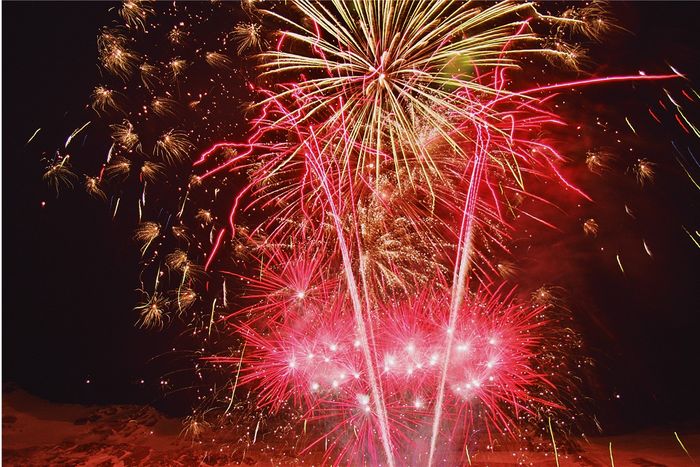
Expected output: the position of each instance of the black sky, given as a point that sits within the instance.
(69, 272)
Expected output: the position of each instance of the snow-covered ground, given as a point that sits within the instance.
(39, 433)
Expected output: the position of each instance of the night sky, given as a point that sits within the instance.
(70, 272)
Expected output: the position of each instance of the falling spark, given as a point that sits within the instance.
(33, 135)
(619, 263)
(612, 460)
(683, 446)
(554, 443)
(75, 133)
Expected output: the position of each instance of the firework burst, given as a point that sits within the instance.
(367, 220)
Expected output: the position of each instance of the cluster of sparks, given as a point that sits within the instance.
(365, 221)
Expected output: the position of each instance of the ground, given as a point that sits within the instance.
(40, 433)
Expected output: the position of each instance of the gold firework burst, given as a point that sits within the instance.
(247, 36)
(59, 174)
(146, 233)
(135, 12)
(152, 311)
(124, 135)
(92, 186)
(172, 146)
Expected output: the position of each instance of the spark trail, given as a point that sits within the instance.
(367, 352)
(458, 290)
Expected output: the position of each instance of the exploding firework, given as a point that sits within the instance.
(366, 221)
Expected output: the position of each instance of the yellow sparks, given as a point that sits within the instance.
(120, 166)
(33, 136)
(683, 446)
(152, 311)
(146, 233)
(590, 227)
(151, 170)
(124, 135)
(92, 186)
(163, 106)
(135, 12)
(103, 99)
(114, 55)
(173, 145)
(247, 36)
(619, 263)
(75, 133)
(644, 171)
(612, 460)
(58, 174)
(218, 60)
(554, 443)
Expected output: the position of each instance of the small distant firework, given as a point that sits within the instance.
(153, 311)
(644, 171)
(103, 99)
(118, 167)
(173, 145)
(149, 76)
(136, 12)
(247, 36)
(218, 60)
(185, 298)
(177, 66)
(590, 227)
(194, 426)
(204, 216)
(146, 233)
(163, 106)
(58, 174)
(150, 171)
(92, 186)
(598, 160)
(114, 54)
(124, 135)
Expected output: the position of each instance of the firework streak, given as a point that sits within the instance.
(366, 212)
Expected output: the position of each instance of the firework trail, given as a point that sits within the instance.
(365, 217)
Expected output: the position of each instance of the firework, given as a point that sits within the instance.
(598, 161)
(162, 106)
(172, 146)
(103, 99)
(146, 233)
(177, 66)
(153, 311)
(150, 171)
(136, 12)
(367, 219)
(318, 365)
(590, 227)
(124, 135)
(58, 174)
(118, 167)
(92, 186)
(247, 36)
(218, 60)
(643, 171)
(114, 55)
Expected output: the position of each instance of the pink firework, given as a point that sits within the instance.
(314, 362)
(369, 212)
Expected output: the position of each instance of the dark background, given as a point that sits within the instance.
(69, 272)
